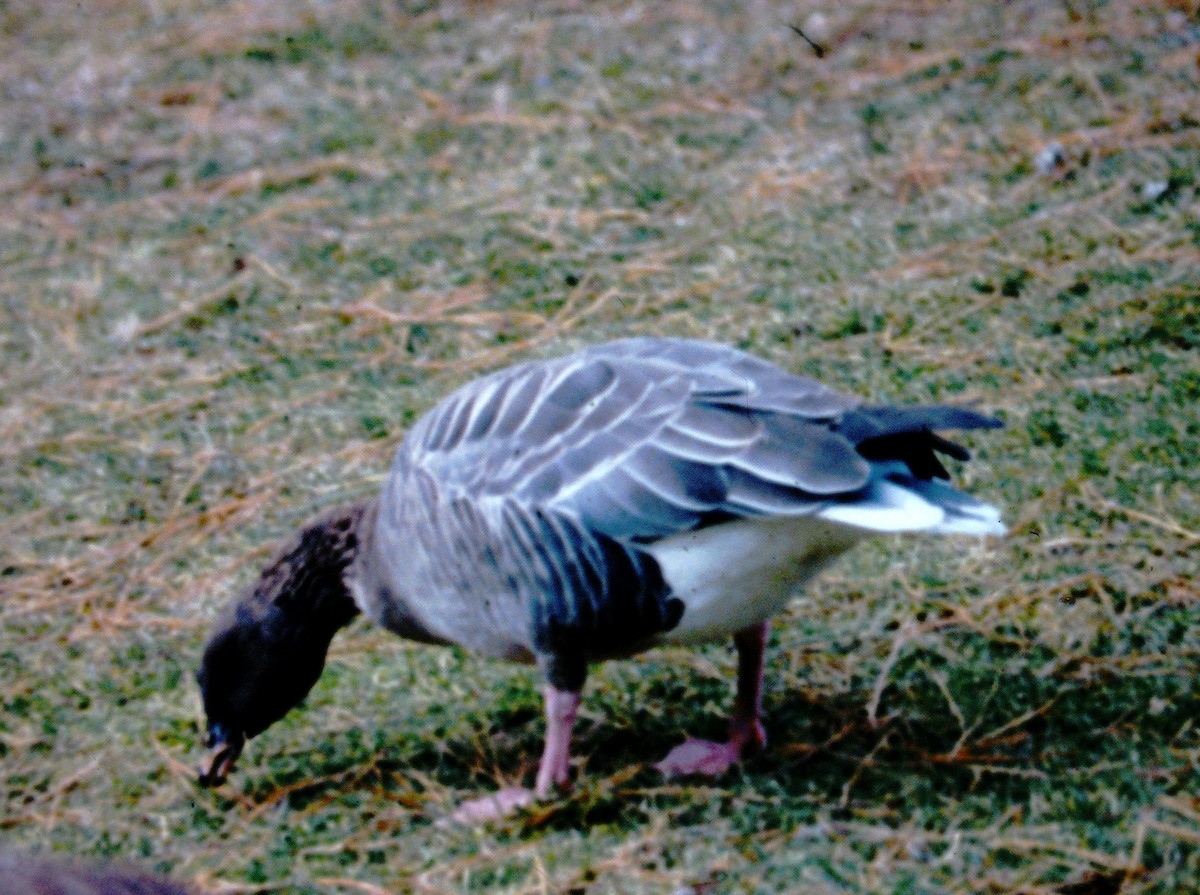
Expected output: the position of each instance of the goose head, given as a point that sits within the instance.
(252, 673)
(268, 647)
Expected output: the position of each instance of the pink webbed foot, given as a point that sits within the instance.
(699, 757)
(497, 806)
(746, 733)
(712, 759)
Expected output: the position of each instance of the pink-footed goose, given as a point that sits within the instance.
(564, 512)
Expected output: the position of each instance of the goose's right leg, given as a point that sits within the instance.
(746, 733)
(554, 770)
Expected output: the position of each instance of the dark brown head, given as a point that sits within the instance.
(268, 647)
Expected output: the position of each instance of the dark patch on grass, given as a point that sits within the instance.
(318, 42)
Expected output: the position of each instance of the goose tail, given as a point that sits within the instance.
(904, 503)
(908, 488)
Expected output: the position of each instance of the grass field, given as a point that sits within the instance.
(245, 243)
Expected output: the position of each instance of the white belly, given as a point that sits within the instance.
(740, 573)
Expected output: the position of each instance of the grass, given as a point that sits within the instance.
(246, 244)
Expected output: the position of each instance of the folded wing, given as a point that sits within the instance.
(646, 438)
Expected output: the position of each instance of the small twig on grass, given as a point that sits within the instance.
(64, 786)
(863, 764)
(1020, 844)
(1180, 833)
(1139, 843)
(437, 316)
(996, 735)
(222, 887)
(881, 681)
(1182, 807)
(1026, 773)
(568, 317)
(355, 884)
(805, 750)
(180, 769)
(350, 776)
(940, 680)
(435, 879)
(187, 774)
(266, 267)
(1166, 524)
(184, 310)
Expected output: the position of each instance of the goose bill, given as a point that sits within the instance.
(218, 763)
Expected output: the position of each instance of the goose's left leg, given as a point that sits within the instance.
(746, 733)
(554, 770)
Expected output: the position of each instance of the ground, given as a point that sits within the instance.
(245, 243)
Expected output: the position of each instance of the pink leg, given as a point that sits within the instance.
(746, 733)
(556, 757)
(554, 770)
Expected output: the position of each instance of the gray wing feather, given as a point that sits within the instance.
(753, 496)
(643, 438)
(743, 380)
(805, 456)
(707, 431)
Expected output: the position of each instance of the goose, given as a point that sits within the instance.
(23, 874)
(568, 511)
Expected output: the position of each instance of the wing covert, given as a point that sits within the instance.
(643, 438)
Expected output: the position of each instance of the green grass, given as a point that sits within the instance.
(245, 245)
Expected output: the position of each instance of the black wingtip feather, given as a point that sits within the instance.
(949, 448)
(870, 423)
(907, 434)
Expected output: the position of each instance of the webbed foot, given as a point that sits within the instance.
(484, 810)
